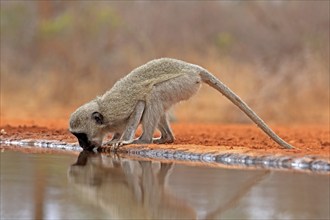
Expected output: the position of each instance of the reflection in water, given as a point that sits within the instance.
(35, 186)
(133, 189)
(128, 189)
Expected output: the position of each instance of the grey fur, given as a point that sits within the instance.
(144, 96)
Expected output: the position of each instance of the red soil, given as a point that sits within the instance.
(307, 139)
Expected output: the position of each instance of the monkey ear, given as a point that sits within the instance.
(97, 117)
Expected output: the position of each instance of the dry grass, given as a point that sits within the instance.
(271, 54)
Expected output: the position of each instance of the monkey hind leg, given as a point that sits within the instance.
(162, 97)
(166, 131)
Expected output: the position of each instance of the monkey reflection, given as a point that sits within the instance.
(127, 189)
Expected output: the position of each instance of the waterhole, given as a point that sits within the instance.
(306, 163)
(91, 185)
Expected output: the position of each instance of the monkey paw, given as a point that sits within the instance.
(116, 145)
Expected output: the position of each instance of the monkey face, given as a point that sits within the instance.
(87, 124)
(84, 141)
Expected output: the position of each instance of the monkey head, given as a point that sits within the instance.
(88, 125)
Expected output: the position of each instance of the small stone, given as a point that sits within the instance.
(3, 132)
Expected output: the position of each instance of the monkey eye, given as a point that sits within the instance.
(98, 118)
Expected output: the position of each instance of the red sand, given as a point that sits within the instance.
(308, 139)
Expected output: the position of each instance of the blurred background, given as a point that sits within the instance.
(57, 55)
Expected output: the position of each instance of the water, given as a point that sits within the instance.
(49, 186)
(306, 163)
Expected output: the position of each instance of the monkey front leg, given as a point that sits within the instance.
(115, 138)
(132, 124)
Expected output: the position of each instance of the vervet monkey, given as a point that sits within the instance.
(144, 96)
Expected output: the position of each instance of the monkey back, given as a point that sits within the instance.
(119, 102)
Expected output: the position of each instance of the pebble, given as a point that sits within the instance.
(3, 132)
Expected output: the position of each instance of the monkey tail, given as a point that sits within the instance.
(212, 81)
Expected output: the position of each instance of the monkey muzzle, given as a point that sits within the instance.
(84, 142)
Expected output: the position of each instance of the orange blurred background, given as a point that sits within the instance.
(57, 55)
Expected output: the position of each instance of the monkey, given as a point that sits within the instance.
(143, 97)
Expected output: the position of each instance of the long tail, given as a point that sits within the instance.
(221, 87)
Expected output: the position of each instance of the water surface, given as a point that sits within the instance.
(57, 186)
